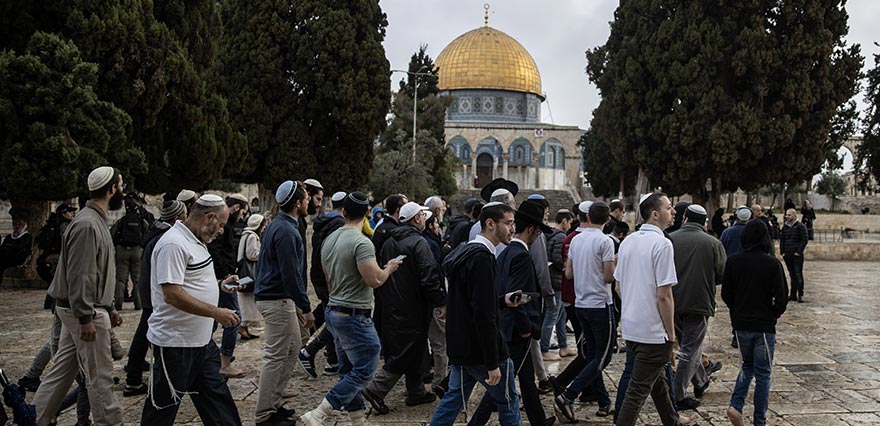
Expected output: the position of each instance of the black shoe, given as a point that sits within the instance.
(713, 368)
(427, 398)
(290, 413)
(439, 391)
(307, 362)
(687, 404)
(699, 391)
(565, 407)
(28, 384)
(544, 387)
(550, 421)
(377, 403)
(331, 369)
(800, 298)
(554, 384)
(792, 298)
(134, 390)
(734, 343)
(278, 420)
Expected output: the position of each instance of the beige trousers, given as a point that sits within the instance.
(281, 343)
(73, 356)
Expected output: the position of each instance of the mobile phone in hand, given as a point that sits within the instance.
(400, 258)
(244, 282)
(528, 297)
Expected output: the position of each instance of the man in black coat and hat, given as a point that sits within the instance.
(409, 296)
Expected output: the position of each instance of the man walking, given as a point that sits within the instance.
(352, 272)
(83, 289)
(646, 272)
(754, 289)
(185, 292)
(412, 294)
(792, 242)
(699, 266)
(128, 235)
(554, 319)
(280, 288)
(477, 352)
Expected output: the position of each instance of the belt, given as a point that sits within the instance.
(350, 311)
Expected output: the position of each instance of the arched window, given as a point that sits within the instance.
(460, 147)
(520, 153)
(552, 155)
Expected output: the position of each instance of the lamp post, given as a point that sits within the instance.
(415, 100)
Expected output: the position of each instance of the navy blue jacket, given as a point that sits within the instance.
(731, 238)
(516, 271)
(281, 270)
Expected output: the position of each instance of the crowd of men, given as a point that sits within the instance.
(448, 301)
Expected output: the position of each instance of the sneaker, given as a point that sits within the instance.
(134, 390)
(800, 298)
(285, 412)
(687, 404)
(713, 367)
(278, 420)
(28, 384)
(377, 403)
(544, 387)
(439, 391)
(331, 369)
(307, 362)
(426, 398)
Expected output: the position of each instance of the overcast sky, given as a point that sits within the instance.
(556, 33)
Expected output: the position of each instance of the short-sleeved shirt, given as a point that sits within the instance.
(179, 258)
(588, 252)
(646, 261)
(341, 254)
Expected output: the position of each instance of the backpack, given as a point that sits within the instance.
(130, 229)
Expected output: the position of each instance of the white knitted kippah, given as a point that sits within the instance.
(100, 177)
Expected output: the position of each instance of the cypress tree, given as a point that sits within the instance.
(868, 159)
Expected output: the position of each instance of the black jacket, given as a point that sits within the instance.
(409, 297)
(554, 256)
(323, 226)
(754, 286)
(436, 246)
(793, 239)
(516, 271)
(458, 230)
(224, 250)
(472, 334)
(380, 234)
(151, 237)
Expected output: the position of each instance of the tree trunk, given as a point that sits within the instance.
(729, 201)
(642, 184)
(34, 213)
(710, 198)
(748, 199)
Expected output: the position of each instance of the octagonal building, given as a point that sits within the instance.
(493, 124)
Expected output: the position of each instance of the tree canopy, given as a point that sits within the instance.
(868, 159)
(711, 96)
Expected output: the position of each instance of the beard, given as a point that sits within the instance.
(116, 201)
(311, 209)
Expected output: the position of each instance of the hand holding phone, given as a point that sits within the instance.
(400, 258)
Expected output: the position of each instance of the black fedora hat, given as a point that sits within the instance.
(533, 213)
(499, 183)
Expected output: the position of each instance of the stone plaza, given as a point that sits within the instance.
(826, 369)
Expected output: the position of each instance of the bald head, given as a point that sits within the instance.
(790, 215)
(757, 211)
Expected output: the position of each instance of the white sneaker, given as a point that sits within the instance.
(317, 416)
(357, 418)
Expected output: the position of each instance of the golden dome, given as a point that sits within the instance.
(486, 58)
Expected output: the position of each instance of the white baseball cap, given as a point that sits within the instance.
(410, 209)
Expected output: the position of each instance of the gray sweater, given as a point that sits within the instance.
(85, 279)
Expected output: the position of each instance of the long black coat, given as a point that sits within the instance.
(408, 298)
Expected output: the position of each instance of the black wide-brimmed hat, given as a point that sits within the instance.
(533, 213)
(499, 183)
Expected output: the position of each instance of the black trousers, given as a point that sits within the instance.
(649, 366)
(522, 361)
(194, 372)
(795, 265)
(324, 338)
(137, 352)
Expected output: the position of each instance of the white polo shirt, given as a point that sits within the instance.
(181, 259)
(587, 253)
(645, 262)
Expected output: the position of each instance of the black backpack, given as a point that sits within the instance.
(130, 229)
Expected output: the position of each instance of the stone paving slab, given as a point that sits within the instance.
(826, 369)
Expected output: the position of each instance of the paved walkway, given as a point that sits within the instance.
(825, 372)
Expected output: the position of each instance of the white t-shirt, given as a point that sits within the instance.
(181, 259)
(588, 252)
(645, 262)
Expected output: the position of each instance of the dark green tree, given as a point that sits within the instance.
(53, 127)
(712, 96)
(868, 159)
(339, 74)
(832, 185)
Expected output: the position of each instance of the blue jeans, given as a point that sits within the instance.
(551, 321)
(598, 331)
(757, 357)
(357, 347)
(230, 334)
(462, 380)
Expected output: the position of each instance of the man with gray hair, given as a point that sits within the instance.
(185, 292)
(437, 206)
(83, 289)
(699, 266)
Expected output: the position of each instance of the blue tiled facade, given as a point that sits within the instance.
(493, 105)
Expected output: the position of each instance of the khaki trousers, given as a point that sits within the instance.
(281, 343)
(93, 359)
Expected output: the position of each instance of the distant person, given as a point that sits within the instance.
(731, 238)
(679, 208)
(188, 198)
(754, 290)
(16, 247)
(617, 213)
(718, 225)
(808, 216)
(792, 242)
(249, 255)
(789, 204)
